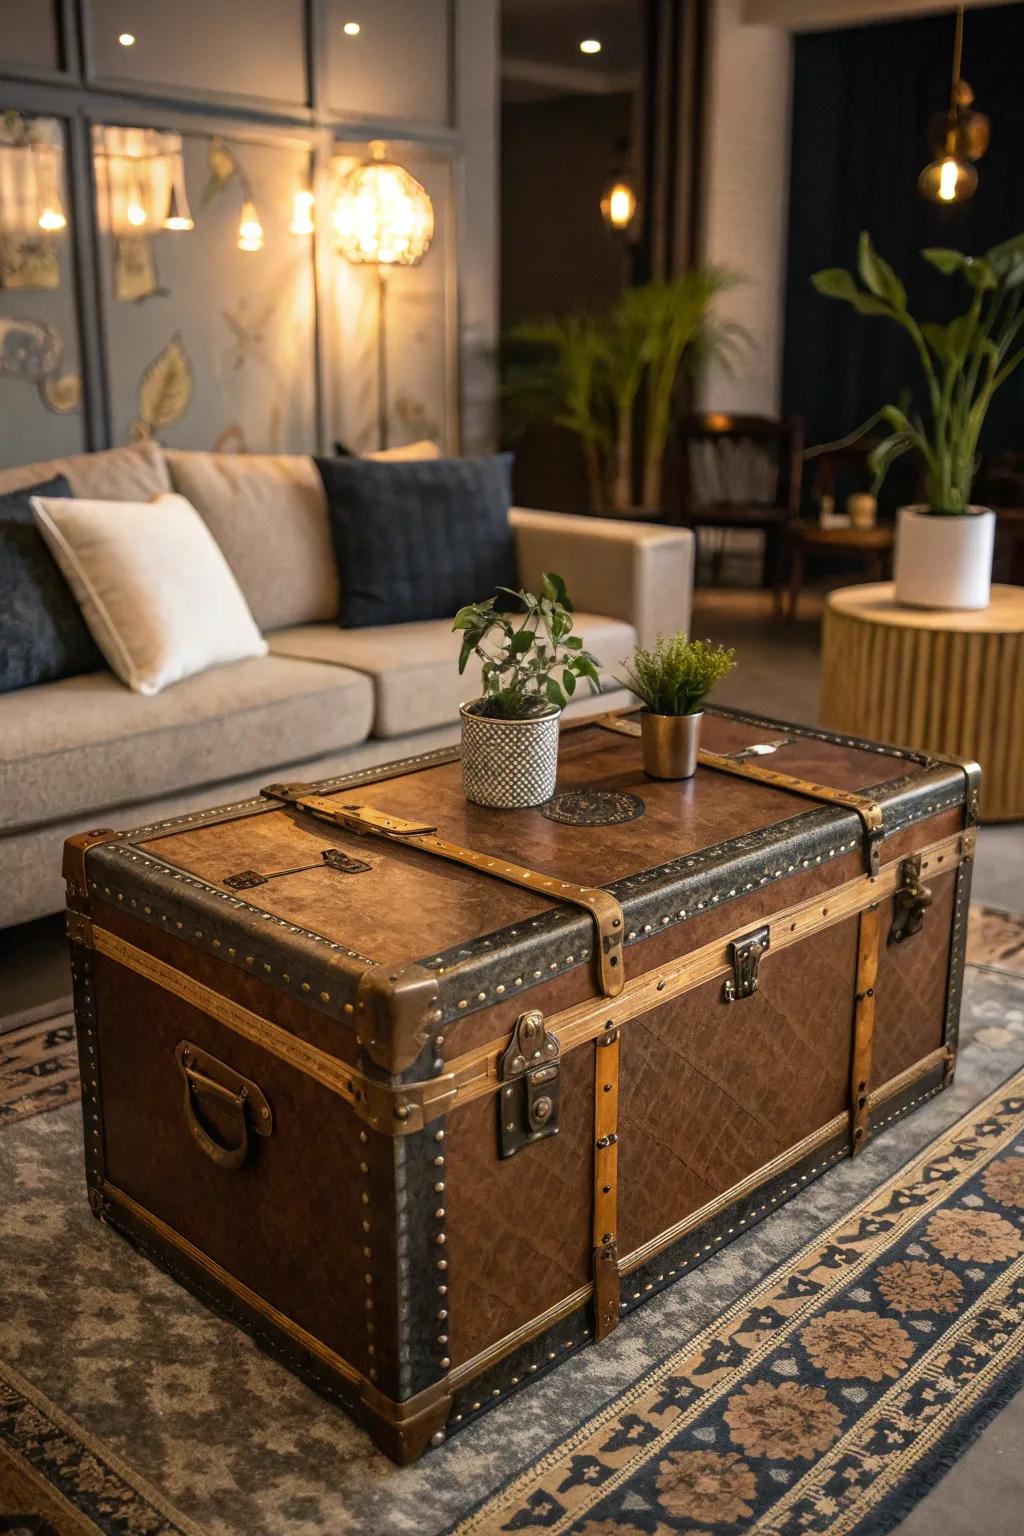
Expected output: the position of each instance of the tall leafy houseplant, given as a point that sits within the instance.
(603, 376)
(963, 363)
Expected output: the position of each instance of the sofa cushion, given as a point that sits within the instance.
(153, 586)
(86, 744)
(117, 474)
(414, 667)
(268, 513)
(43, 636)
(417, 540)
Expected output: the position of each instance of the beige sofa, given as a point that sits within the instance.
(87, 752)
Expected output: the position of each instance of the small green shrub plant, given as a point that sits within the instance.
(677, 674)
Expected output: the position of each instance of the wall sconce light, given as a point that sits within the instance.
(31, 159)
(178, 215)
(958, 136)
(140, 179)
(383, 217)
(302, 213)
(52, 217)
(250, 230)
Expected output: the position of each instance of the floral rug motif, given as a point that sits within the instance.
(829, 1399)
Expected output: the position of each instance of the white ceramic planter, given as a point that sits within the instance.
(944, 562)
(509, 764)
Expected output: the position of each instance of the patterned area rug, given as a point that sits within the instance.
(38, 1067)
(831, 1398)
(126, 1406)
(996, 938)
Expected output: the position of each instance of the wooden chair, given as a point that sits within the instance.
(847, 468)
(743, 472)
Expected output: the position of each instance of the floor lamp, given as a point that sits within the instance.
(383, 217)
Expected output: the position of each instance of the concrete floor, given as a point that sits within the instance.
(777, 674)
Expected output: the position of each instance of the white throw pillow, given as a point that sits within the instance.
(152, 585)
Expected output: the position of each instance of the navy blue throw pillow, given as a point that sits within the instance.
(418, 539)
(43, 636)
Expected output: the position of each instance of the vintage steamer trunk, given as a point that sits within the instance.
(427, 1096)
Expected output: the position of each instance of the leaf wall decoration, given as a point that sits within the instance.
(222, 166)
(165, 388)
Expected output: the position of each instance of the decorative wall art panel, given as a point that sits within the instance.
(235, 48)
(40, 386)
(210, 328)
(420, 339)
(389, 60)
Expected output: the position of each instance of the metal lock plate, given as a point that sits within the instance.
(745, 955)
(910, 901)
(529, 1071)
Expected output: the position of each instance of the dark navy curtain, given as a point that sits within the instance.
(863, 98)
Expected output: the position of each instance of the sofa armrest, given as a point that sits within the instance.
(641, 573)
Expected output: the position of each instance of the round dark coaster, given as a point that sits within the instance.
(593, 807)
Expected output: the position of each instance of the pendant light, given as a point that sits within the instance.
(618, 199)
(958, 137)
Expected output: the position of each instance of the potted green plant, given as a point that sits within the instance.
(532, 663)
(672, 680)
(944, 548)
(603, 376)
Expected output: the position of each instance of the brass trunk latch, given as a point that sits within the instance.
(910, 901)
(529, 1073)
(745, 955)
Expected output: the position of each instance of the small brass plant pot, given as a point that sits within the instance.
(670, 744)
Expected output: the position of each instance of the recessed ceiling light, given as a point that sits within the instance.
(127, 39)
(590, 45)
(351, 29)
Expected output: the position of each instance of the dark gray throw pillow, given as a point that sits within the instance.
(418, 539)
(43, 636)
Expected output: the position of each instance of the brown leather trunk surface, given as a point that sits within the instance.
(408, 906)
(709, 1092)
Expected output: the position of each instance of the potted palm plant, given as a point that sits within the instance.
(672, 680)
(602, 376)
(532, 663)
(944, 547)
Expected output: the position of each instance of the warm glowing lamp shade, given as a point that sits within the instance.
(383, 216)
(948, 180)
(959, 135)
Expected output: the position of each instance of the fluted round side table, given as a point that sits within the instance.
(933, 680)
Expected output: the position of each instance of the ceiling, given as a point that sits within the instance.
(540, 47)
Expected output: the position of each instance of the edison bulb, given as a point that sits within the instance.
(52, 219)
(948, 180)
(135, 213)
(618, 205)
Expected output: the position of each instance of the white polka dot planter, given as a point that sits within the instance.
(509, 764)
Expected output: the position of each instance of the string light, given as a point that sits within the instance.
(250, 230)
(302, 213)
